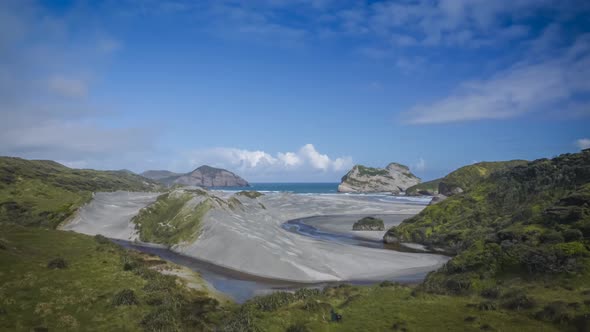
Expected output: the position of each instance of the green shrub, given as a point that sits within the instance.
(491, 293)
(572, 235)
(555, 312)
(102, 239)
(387, 283)
(57, 263)
(518, 301)
(272, 301)
(125, 297)
(552, 237)
(315, 306)
(160, 320)
(298, 327)
(487, 306)
(306, 293)
(250, 193)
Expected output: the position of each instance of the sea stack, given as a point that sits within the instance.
(394, 179)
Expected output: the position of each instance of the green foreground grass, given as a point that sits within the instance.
(101, 287)
(393, 307)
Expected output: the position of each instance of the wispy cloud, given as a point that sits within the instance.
(524, 87)
(46, 80)
(583, 143)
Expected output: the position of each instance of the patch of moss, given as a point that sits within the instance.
(250, 194)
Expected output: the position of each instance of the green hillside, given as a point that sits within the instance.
(463, 178)
(424, 188)
(45, 193)
(61, 281)
(518, 234)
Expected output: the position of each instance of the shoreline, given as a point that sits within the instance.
(251, 243)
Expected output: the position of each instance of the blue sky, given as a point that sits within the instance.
(279, 90)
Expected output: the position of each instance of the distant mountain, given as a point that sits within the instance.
(395, 178)
(159, 174)
(204, 176)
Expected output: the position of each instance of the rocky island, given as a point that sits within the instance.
(394, 178)
(368, 224)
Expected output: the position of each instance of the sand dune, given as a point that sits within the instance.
(250, 239)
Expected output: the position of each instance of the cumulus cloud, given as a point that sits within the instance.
(524, 87)
(256, 162)
(583, 143)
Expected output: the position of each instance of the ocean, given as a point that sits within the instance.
(327, 188)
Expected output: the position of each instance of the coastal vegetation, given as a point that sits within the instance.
(463, 178)
(428, 188)
(61, 281)
(250, 193)
(175, 217)
(45, 193)
(518, 233)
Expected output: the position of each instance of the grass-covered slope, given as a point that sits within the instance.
(385, 307)
(528, 224)
(63, 281)
(463, 178)
(175, 217)
(45, 193)
(424, 188)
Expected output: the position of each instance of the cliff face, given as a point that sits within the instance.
(395, 178)
(207, 176)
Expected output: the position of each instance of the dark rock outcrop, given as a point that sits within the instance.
(369, 224)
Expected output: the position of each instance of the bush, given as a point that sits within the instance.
(552, 237)
(315, 306)
(160, 320)
(487, 306)
(306, 293)
(491, 293)
(125, 297)
(555, 312)
(298, 327)
(273, 301)
(573, 234)
(101, 239)
(387, 283)
(57, 263)
(518, 301)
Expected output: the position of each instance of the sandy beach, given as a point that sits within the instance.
(251, 239)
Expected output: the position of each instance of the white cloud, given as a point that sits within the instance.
(67, 86)
(306, 159)
(524, 87)
(583, 143)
